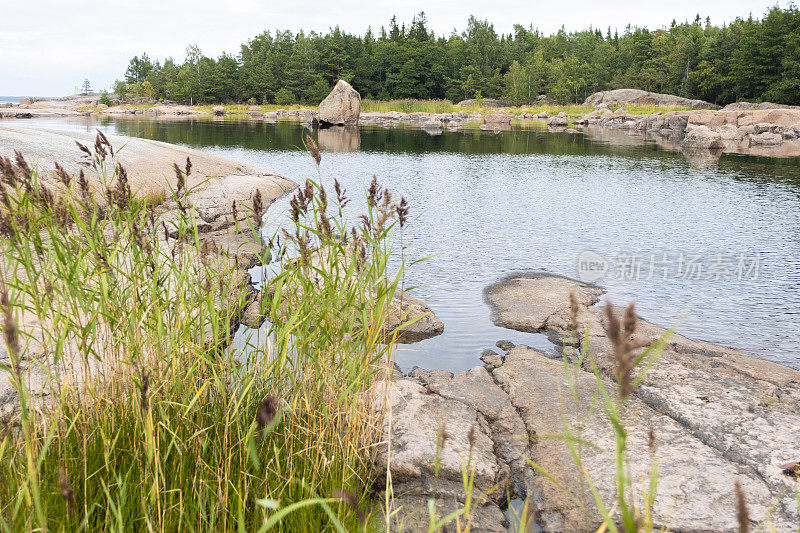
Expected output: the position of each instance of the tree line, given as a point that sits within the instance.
(747, 59)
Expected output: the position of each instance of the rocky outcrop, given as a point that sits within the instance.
(637, 96)
(218, 110)
(342, 107)
(702, 138)
(485, 102)
(498, 121)
(427, 121)
(718, 415)
(772, 131)
(739, 106)
(438, 419)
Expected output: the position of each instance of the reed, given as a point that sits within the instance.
(146, 417)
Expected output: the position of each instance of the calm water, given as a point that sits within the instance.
(714, 245)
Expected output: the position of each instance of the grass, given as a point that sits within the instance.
(153, 421)
(430, 106)
(636, 109)
(408, 106)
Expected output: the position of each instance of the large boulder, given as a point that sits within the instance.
(342, 107)
(702, 138)
(637, 96)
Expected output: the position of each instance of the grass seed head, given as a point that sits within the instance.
(574, 308)
(65, 488)
(352, 501)
(144, 391)
(742, 514)
(267, 410)
(624, 358)
(313, 149)
(258, 206)
(10, 328)
(402, 210)
(62, 175)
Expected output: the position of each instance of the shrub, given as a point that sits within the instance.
(105, 100)
(285, 97)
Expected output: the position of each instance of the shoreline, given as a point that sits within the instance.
(701, 134)
(718, 414)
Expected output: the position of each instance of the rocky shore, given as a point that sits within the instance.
(763, 129)
(766, 129)
(718, 416)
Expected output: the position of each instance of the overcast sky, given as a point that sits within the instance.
(47, 47)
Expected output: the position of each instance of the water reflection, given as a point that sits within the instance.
(339, 139)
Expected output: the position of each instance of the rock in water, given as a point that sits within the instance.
(498, 120)
(702, 138)
(341, 107)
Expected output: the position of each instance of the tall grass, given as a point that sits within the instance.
(146, 418)
(408, 105)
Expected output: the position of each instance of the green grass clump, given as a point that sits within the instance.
(151, 420)
(408, 106)
(637, 109)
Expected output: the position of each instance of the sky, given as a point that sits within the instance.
(47, 47)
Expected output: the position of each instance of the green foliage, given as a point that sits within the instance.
(284, 97)
(121, 89)
(318, 92)
(746, 59)
(182, 430)
(105, 99)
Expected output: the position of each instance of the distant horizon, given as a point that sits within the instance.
(49, 59)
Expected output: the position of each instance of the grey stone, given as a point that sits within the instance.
(342, 107)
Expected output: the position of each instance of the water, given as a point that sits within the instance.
(487, 204)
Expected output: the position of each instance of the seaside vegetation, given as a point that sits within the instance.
(747, 58)
(150, 417)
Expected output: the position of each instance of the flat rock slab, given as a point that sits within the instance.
(719, 414)
(149, 163)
